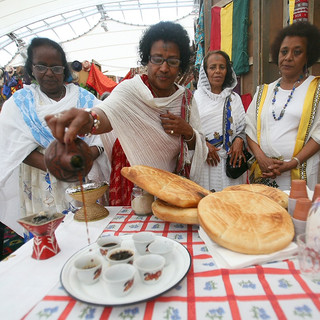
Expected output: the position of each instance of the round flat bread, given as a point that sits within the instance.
(167, 212)
(167, 186)
(251, 224)
(273, 193)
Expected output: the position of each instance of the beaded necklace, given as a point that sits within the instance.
(275, 91)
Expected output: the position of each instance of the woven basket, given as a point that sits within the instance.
(94, 210)
(90, 196)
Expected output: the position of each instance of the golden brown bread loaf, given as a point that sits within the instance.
(167, 186)
(273, 193)
(251, 224)
(167, 212)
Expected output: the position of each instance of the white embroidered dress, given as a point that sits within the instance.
(278, 138)
(211, 110)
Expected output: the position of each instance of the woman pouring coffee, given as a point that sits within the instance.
(154, 119)
(24, 135)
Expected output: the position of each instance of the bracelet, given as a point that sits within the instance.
(96, 122)
(190, 138)
(299, 163)
(100, 149)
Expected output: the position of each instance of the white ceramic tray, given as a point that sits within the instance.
(98, 293)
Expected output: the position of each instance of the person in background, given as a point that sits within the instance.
(24, 134)
(222, 119)
(283, 128)
(155, 120)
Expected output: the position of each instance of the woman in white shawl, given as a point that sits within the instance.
(283, 126)
(222, 120)
(24, 136)
(146, 112)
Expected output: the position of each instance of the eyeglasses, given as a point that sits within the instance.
(172, 62)
(43, 69)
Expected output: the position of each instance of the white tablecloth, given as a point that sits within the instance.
(17, 290)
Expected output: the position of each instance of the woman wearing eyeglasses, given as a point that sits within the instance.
(146, 112)
(24, 134)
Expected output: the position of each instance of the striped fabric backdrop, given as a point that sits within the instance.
(300, 12)
(229, 32)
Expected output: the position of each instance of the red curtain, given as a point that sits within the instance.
(100, 82)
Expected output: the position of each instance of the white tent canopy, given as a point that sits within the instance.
(105, 31)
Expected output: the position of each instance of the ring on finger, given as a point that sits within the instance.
(171, 132)
(58, 115)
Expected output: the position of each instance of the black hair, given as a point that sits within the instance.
(168, 32)
(42, 42)
(299, 29)
(229, 76)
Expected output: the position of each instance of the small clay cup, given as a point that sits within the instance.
(298, 189)
(300, 215)
(316, 193)
(302, 208)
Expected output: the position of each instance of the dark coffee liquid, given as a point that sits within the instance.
(84, 207)
(107, 245)
(121, 255)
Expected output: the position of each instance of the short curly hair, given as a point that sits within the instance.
(42, 42)
(299, 29)
(229, 78)
(168, 32)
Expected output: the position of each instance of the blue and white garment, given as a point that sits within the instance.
(221, 121)
(23, 130)
(24, 99)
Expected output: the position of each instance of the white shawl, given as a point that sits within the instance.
(135, 117)
(17, 142)
(16, 139)
(211, 107)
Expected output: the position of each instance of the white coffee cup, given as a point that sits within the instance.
(150, 268)
(142, 241)
(88, 268)
(120, 255)
(162, 247)
(108, 243)
(119, 279)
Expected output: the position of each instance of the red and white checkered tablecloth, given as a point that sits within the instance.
(270, 291)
